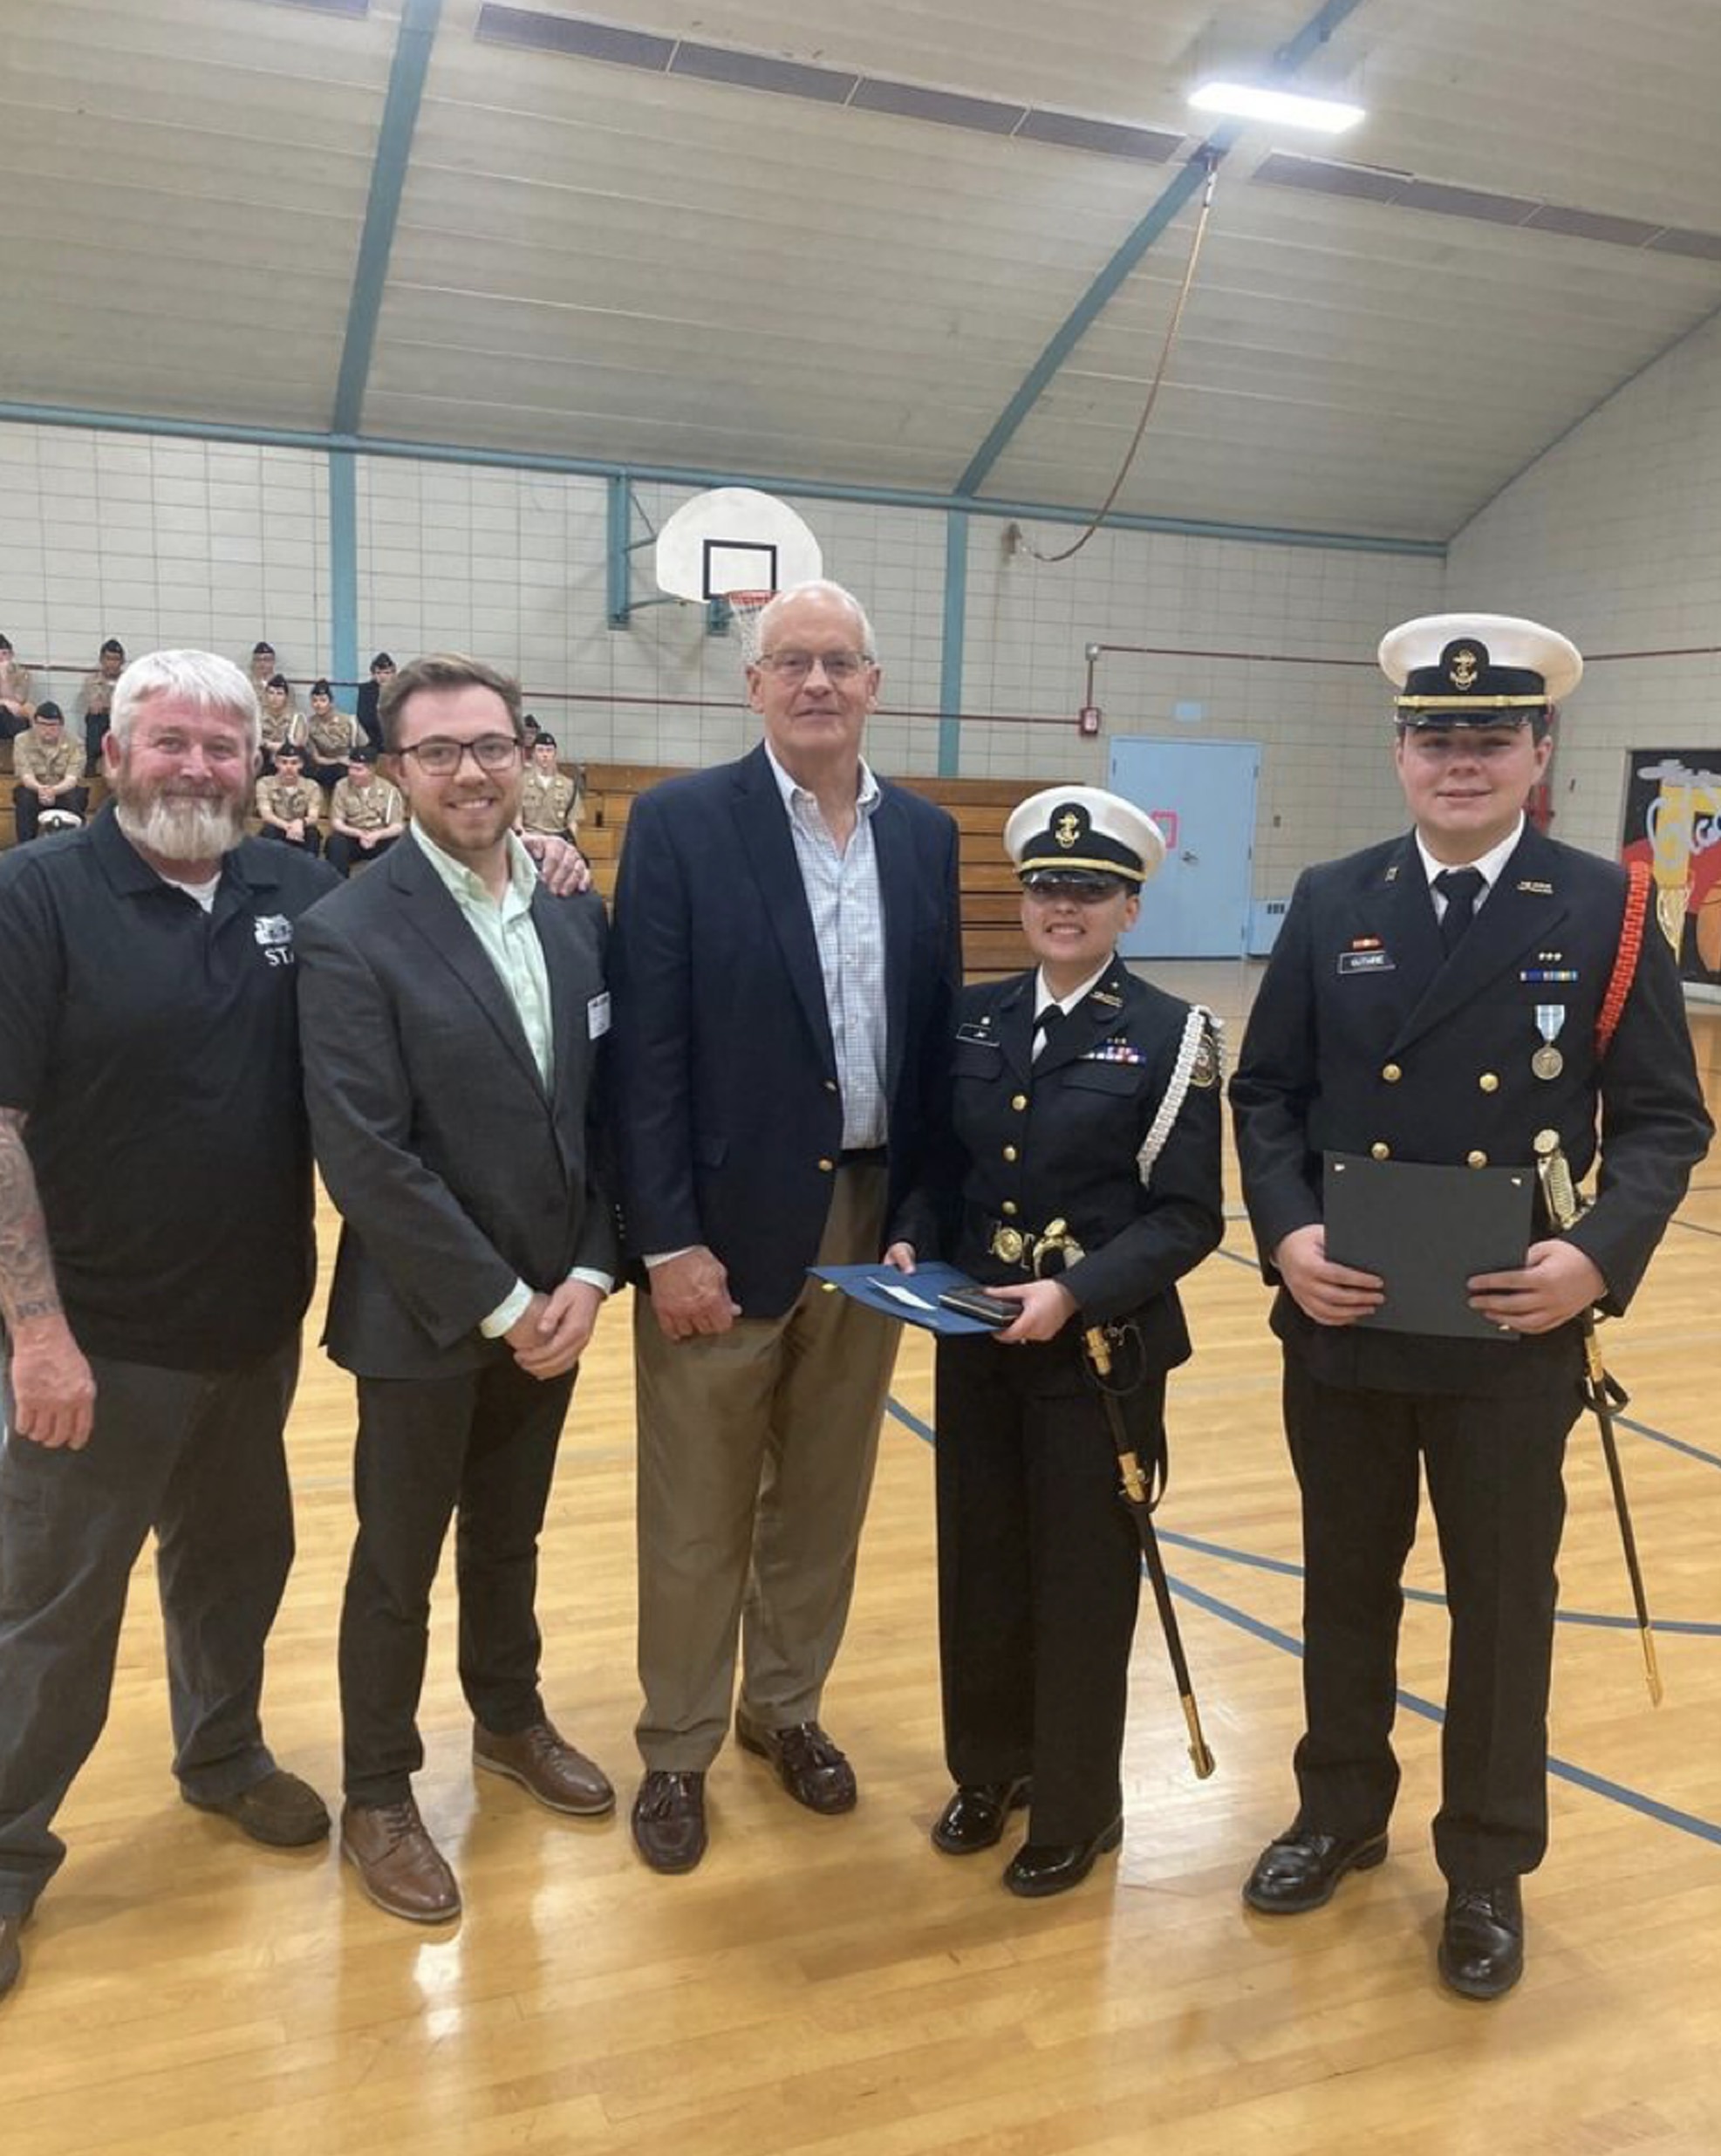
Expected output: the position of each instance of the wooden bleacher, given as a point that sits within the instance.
(992, 938)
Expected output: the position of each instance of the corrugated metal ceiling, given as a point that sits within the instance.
(658, 261)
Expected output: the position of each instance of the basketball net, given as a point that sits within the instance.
(745, 609)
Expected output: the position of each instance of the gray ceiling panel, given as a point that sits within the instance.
(832, 241)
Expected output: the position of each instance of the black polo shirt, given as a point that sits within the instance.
(153, 1048)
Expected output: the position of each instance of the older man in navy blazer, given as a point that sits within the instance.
(786, 951)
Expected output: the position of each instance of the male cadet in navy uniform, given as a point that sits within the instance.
(1083, 1096)
(1388, 1025)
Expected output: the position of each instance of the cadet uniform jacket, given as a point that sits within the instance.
(1365, 1039)
(289, 800)
(1031, 1141)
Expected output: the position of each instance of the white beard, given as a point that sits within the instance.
(181, 827)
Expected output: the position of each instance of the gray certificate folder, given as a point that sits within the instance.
(1426, 1231)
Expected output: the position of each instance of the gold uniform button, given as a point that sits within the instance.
(1009, 1152)
(1489, 1082)
(1380, 1150)
(1008, 1208)
(1476, 1160)
(826, 1167)
(1020, 1102)
(1392, 1073)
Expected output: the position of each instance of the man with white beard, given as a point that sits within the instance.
(155, 1262)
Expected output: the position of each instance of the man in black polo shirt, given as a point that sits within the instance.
(155, 1262)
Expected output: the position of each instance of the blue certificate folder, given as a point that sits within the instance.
(1425, 1232)
(882, 1287)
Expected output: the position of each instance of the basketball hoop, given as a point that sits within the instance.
(745, 607)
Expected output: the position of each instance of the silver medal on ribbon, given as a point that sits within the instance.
(1547, 1063)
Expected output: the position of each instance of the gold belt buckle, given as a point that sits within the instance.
(1008, 1244)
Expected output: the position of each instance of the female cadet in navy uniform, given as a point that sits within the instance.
(1077, 1093)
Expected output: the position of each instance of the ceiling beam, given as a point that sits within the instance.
(1284, 64)
(419, 19)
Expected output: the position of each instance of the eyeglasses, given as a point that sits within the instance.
(796, 666)
(490, 752)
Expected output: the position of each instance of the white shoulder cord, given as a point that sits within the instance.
(1190, 1048)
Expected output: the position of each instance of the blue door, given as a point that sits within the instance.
(1202, 796)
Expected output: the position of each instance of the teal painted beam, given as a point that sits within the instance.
(618, 569)
(955, 635)
(382, 213)
(344, 565)
(694, 475)
(1099, 295)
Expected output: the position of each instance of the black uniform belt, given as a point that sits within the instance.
(863, 1156)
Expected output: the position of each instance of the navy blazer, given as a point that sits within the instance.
(454, 1171)
(1361, 1037)
(728, 1115)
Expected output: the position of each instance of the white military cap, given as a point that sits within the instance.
(1457, 670)
(1084, 833)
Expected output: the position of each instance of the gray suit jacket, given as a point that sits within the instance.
(454, 1172)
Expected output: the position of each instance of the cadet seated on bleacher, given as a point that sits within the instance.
(365, 815)
(288, 803)
(15, 704)
(282, 719)
(329, 737)
(547, 799)
(47, 776)
(97, 699)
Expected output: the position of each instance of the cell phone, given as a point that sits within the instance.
(974, 1302)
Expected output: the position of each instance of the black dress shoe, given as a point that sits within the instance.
(1300, 1868)
(1054, 1867)
(975, 1817)
(668, 1820)
(1482, 1939)
(814, 1771)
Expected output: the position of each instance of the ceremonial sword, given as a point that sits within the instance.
(1136, 1492)
(1601, 1393)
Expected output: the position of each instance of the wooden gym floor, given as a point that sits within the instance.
(835, 1985)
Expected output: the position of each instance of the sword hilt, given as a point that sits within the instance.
(1564, 1206)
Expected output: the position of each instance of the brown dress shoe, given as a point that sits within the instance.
(279, 1810)
(669, 1820)
(401, 1868)
(813, 1770)
(11, 1951)
(542, 1762)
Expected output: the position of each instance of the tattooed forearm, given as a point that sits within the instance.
(27, 1288)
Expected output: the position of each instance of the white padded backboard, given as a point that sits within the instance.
(735, 539)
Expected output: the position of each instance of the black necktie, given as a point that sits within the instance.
(1046, 1026)
(1460, 888)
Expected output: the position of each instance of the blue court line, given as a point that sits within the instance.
(1564, 1770)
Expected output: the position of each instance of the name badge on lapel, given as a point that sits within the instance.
(1375, 961)
(598, 1015)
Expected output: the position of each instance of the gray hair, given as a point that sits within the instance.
(204, 679)
(818, 588)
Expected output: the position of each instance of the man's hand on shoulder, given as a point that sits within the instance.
(690, 1294)
(564, 868)
(53, 1388)
(1330, 1293)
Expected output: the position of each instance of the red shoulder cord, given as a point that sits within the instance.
(1630, 950)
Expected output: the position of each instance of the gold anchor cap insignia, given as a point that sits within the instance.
(1464, 670)
(1067, 828)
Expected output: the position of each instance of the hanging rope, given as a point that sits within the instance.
(1105, 508)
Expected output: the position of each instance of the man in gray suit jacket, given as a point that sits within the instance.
(452, 1014)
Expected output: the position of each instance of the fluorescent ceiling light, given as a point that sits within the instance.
(1247, 101)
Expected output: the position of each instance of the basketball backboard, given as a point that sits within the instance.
(735, 539)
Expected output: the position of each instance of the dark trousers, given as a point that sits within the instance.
(198, 1457)
(482, 1443)
(310, 843)
(96, 725)
(27, 807)
(346, 854)
(1039, 1578)
(1493, 1469)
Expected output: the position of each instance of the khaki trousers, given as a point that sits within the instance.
(756, 1451)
